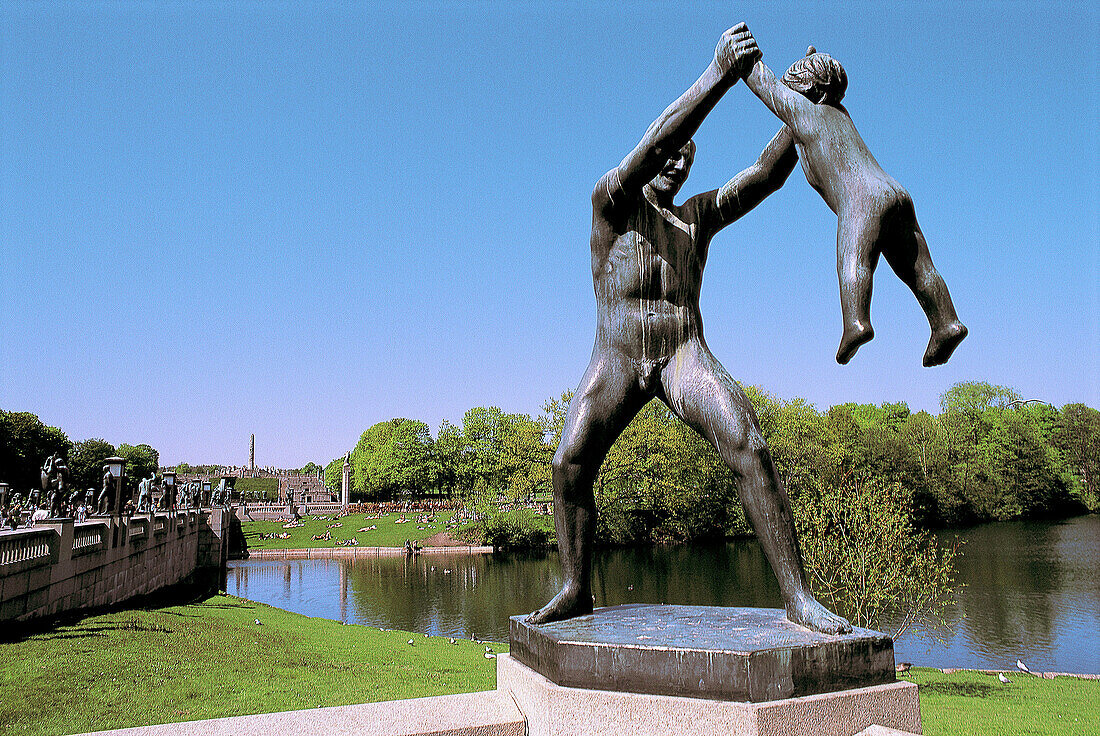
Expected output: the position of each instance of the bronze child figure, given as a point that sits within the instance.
(875, 213)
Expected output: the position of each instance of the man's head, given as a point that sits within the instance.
(675, 171)
(818, 76)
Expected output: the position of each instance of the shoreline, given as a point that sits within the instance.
(321, 553)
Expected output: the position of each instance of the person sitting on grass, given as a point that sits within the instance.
(875, 213)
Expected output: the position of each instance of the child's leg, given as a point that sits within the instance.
(907, 253)
(856, 258)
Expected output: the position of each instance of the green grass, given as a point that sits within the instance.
(973, 703)
(210, 660)
(387, 533)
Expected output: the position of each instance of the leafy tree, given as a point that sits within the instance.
(25, 443)
(866, 560)
(141, 462)
(1077, 437)
(86, 461)
(334, 475)
(392, 457)
(311, 469)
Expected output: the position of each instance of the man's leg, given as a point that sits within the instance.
(606, 400)
(700, 391)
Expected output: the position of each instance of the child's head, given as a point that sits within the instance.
(818, 76)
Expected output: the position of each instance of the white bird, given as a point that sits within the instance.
(425, 635)
(1023, 667)
(488, 649)
(258, 622)
(1002, 678)
(453, 640)
(490, 656)
(410, 642)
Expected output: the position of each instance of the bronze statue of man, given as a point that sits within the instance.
(647, 268)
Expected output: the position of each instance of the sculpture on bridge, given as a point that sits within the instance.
(103, 505)
(145, 493)
(55, 477)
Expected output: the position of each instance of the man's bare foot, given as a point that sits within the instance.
(806, 611)
(943, 342)
(570, 602)
(854, 336)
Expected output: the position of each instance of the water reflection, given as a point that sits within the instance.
(1033, 591)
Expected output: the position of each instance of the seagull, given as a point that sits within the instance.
(903, 667)
(453, 640)
(258, 622)
(490, 656)
(1023, 667)
(410, 642)
(1002, 678)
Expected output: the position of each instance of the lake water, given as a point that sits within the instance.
(1032, 591)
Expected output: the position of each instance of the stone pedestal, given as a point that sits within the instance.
(660, 669)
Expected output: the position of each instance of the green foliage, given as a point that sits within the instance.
(25, 443)
(392, 459)
(257, 488)
(1077, 436)
(86, 461)
(866, 560)
(518, 529)
(310, 469)
(141, 462)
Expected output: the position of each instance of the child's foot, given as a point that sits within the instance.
(943, 342)
(854, 336)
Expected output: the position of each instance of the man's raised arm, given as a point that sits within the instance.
(733, 57)
(751, 186)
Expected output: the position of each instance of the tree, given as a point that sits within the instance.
(1077, 437)
(865, 559)
(393, 457)
(86, 461)
(141, 462)
(25, 443)
(311, 469)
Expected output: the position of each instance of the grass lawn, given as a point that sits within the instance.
(387, 533)
(973, 703)
(210, 659)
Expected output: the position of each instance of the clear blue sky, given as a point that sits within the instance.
(299, 219)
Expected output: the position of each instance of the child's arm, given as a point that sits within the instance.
(789, 106)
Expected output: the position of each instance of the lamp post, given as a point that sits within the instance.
(117, 467)
(169, 490)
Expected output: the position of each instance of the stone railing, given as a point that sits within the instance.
(32, 545)
(62, 566)
(89, 537)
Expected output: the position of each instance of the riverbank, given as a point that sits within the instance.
(352, 531)
(211, 659)
(223, 656)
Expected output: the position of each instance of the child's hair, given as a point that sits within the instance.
(818, 76)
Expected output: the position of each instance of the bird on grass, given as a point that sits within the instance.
(1023, 667)
(410, 642)
(453, 640)
(490, 656)
(258, 622)
(903, 667)
(1002, 678)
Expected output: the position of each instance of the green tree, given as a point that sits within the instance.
(866, 560)
(141, 462)
(25, 443)
(86, 461)
(392, 457)
(1077, 437)
(311, 469)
